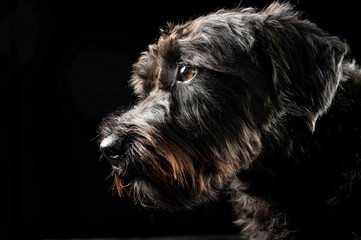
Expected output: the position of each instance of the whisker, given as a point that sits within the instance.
(96, 137)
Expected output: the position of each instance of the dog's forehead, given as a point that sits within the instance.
(214, 41)
(210, 40)
(213, 23)
(217, 33)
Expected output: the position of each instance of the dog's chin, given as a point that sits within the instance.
(152, 195)
(139, 191)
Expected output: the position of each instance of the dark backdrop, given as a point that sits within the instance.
(63, 66)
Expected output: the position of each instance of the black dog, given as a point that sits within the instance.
(258, 103)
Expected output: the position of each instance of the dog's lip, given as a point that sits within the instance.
(120, 170)
(115, 169)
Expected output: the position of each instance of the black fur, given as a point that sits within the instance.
(272, 115)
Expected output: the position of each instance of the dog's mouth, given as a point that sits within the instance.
(122, 181)
(121, 186)
(119, 170)
(119, 162)
(119, 165)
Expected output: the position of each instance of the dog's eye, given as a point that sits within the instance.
(186, 74)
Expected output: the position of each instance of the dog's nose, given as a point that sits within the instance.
(111, 150)
(111, 155)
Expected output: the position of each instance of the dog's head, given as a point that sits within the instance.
(209, 90)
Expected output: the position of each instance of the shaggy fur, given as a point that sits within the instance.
(272, 115)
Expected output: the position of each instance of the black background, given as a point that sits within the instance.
(63, 66)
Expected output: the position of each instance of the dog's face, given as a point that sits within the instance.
(209, 92)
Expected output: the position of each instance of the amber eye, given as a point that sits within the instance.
(186, 74)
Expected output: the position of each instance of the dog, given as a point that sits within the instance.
(262, 104)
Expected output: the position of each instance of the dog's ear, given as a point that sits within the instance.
(305, 61)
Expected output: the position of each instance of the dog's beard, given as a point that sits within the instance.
(162, 170)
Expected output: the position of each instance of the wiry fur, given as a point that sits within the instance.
(272, 116)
